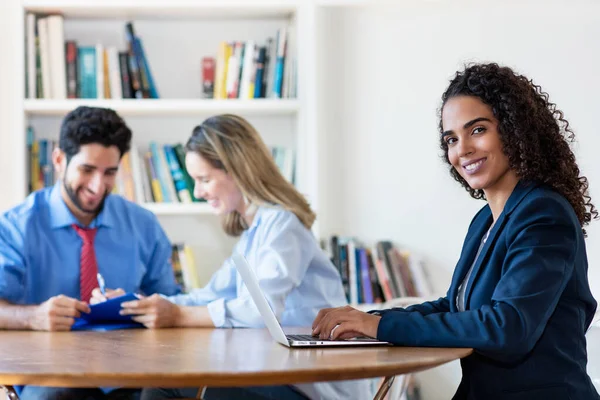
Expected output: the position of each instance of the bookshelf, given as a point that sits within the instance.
(93, 20)
(164, 209)
(238, 9)
(166, 107)
(171, 31)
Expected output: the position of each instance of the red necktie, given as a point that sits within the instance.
(88, 267)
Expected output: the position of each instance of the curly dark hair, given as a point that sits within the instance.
(85, 125)
(534, 133)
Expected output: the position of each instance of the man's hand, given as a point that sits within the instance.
(153, 311)
(98, 297)
(57, 313)
(344, 323)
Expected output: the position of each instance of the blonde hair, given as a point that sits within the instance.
(231, 143)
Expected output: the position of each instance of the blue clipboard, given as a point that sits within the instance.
(105, 316)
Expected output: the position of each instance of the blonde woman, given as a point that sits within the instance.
(234, 171)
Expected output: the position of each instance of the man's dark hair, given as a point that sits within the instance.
(86, 125)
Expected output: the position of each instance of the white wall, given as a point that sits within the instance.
(382, 72)
(10, 95)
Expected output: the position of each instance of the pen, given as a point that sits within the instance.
(101, 284)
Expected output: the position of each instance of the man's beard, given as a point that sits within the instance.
(75, 200)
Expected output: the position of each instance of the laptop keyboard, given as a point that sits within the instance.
(309, 338)
(305, 338)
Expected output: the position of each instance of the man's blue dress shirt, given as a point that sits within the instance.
(40, 250)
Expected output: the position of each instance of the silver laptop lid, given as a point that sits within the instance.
(251, 281)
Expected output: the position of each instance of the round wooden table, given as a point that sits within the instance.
(195, 358)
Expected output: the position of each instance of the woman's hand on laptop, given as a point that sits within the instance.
(153, 311)
(344, 323)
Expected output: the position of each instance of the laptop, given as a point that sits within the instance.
(275, 329)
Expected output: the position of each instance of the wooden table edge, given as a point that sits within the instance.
(221, 379)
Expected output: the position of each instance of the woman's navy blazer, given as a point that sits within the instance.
(527, 304)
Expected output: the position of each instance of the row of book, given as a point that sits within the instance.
(184, 267)
(379, 273)
(59, 69)
(155, 175)
(245, 70)
(159, 174)
(40, 171)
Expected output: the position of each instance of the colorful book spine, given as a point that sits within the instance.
(30, 55)
(154, 182)
(139, 180)
(382, 275)
(269, 74)
(128, 183)
(86, 58)
(30, 140)
(247, 68)
(100, 71)
(160, 173)
(367, 289)
(189, 182)
(134, 68)
(177, 267)
(260, 70)
(35, 166)
(279, 63)
(44, 48)
(208, 77)
(147, 79)
(56, 51)
(126, 88)
(71, 54)
(177, 174)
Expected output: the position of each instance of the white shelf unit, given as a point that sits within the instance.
(167, 107)
(94, 9)
(164, 209)
(96, 20)
(176, 35)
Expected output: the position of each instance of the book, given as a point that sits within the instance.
(71, 65)
(208, 77)
(114, 73)
(279, 63)
(177, 175)
(160, 173)
(189, 182)
(148, 85)
(248, 65)
(157, 193)
(259, 76)
(44, 51)
(86, 72)
(100, 72)
(134, 67)
(222, 62)
(125, 74)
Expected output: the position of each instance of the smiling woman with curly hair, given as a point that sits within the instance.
(535, 137)
(519, 295)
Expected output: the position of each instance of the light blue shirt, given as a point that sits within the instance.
(40, 250)
(295, 275)
(297, 278)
